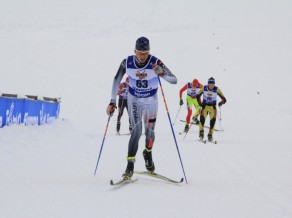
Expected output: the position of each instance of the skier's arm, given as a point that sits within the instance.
(121, 72)
(199, 96)
(223, 99)
(165, 73)
(182, 90)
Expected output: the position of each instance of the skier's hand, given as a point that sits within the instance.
(111, 109)
(158, 70)
(220, 103)
(200, 103)
(181, 102)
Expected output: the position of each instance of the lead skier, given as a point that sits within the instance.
(143, 70)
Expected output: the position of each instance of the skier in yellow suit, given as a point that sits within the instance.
(208, 104)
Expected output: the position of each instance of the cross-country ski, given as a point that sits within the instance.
(122, 182)
(159, 176)
(207, 127)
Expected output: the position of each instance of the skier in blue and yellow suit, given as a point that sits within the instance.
(208, 104)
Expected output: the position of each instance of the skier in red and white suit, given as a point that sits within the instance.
(192, 90)
(123, 103)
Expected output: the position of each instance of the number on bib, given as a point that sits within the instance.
(142, 83)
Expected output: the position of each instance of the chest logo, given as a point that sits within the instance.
(209, 94)
(141, 74)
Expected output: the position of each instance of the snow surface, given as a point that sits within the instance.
(72, 49)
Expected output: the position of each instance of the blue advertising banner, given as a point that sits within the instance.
(27, 111)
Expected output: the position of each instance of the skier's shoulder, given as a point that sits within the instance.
(219, 91)
(123, 63)
(157, 60)
(130, 60)
(184, 87)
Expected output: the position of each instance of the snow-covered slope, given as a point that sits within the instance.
(72, 49)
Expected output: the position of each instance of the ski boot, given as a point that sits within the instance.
(187, 127)
(201, 134)
(149, 164)
(196, 121)
(129, 171)
(210, 137)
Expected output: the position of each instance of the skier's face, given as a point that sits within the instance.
(211, 86)
(142, 56)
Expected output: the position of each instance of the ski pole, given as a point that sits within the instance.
(163, 96)
(176, 115)
(109, 117)
(188, 131)
(220, 118)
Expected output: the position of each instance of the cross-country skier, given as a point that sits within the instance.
(123, 103)
(143, 70)
(209, 93)
(192, 90)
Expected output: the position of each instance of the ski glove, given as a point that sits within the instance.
(158, 70)
(181, 102)
(111, 109)
(220, 103)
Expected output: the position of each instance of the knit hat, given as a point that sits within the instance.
(142, 44)
(211, 80)
(195, 82)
